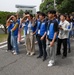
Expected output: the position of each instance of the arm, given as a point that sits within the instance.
(24, 18)
(43, 36)
(8, 21)
(54, 38)
(16, 26)
(66, 28)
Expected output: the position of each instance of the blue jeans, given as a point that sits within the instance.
(68, 40)
(14, 42)
(72, 33)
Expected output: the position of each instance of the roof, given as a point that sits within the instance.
(23, 6)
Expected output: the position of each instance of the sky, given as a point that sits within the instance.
(9, 5)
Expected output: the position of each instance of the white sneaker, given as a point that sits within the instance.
(32, 53)
(36, 42)
(50, 65)
(15, 53)
(51, 61)
(28, 53)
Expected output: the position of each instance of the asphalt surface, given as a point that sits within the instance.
(29, 65)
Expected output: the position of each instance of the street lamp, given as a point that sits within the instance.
(54, 4)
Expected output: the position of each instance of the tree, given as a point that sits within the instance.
(3, 18)
(59, 1)
(20, 13)
(65, 6)
(47, 5)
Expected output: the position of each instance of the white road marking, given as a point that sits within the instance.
(3, 46)
(3, 42)
(6, 44)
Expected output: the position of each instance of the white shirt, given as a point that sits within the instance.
(65, 32)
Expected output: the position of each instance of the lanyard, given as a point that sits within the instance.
(49, 22)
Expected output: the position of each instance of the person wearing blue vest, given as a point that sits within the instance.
(41, 36)
(9, 26)
(23, 20)
(70, 29)
(30, 32)
(36, 23)
(52, 30)
(14, 34)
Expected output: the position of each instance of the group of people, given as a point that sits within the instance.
(50, 31)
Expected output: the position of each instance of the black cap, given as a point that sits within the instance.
(42, 14)
(52, 11)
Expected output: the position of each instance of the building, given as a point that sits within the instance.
(24, 8)
(43, 0)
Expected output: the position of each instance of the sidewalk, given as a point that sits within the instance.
(26, 65)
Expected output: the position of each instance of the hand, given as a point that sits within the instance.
(11, 30)
(26, 15)
(42, 38)
(32, 34)
(12, 16)
(61, 28)
(51, 44)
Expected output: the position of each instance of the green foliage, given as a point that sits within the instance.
(59, 1)
(20, 13)
(65, 6)
(47, 5)
(3, 18)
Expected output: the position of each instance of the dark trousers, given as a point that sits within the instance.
(60, 41)
(9, 41)
(42, 46)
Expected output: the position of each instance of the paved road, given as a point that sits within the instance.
(26, 65)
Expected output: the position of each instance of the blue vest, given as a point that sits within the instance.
(9, 28)
(15, 32)
(38, 23)
(42, 28)
(26, 27)
(50, 30)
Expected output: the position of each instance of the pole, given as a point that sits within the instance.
(54, 4)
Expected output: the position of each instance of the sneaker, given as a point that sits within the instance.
(51, 63)
(36, 42)
(39, 56)
(15, 53)
(32, 53)
(28, 53)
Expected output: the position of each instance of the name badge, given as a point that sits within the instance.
(48, 33)
(27, 31)
(38, 31)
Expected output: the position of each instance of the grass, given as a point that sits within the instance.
(3, 37)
